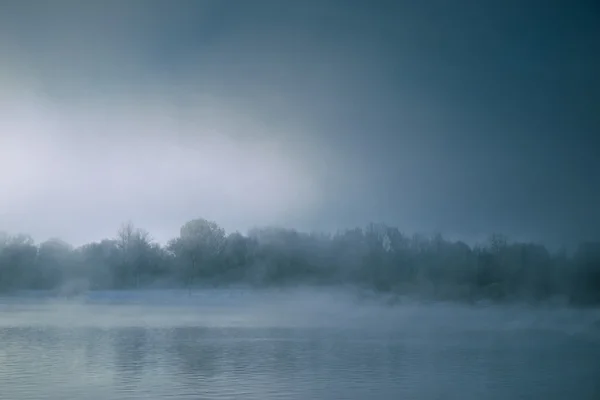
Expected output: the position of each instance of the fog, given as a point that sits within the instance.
(301, 308)
(325, 199)
(81, 154)
(303, 342)
(316, 115)
(77, 171)
(377, 257)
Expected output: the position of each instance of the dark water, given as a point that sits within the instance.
(219, 345)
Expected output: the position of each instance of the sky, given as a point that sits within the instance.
(465, 118)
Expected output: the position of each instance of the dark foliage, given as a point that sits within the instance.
(377, 257)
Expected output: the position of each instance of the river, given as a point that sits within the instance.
(240, 344)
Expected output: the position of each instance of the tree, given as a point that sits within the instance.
(237, 256)
(135, 247)
(197, 249)
(17, 261)
(101, 261)
(378, 258)
(56, 262)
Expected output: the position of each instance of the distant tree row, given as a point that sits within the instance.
(377, 257)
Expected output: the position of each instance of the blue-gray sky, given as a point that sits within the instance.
(464, 117)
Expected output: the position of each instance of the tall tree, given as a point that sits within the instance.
(197, 249)
(135, 246)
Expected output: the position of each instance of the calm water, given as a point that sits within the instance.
(240, 345)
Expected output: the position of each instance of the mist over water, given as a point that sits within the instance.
(297, 344)
(271, 164)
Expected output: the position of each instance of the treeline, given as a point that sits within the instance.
(377, 257)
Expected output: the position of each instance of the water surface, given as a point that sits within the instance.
(300, 345)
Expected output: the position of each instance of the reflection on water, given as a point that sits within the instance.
(129, 357)
(412, 358)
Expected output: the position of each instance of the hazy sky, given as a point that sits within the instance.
(464, 117)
